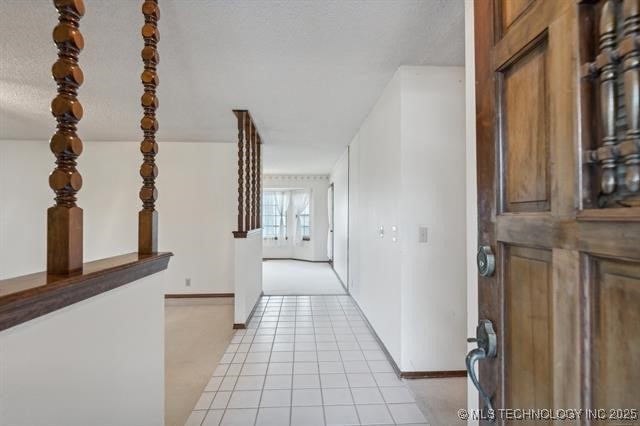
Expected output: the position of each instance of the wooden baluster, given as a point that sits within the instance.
(608, 75)
(242, 118)
(64, 219)
(254, 176)
(630, 148)
(148, 216)
(247, 176)
(259, 188)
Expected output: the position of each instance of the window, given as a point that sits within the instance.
(274, 216)
(305, 223)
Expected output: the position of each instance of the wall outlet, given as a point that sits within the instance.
(423, 234)
(187, 282)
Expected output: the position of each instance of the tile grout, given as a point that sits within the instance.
(332, 312)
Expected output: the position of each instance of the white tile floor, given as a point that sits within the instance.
(305, 361)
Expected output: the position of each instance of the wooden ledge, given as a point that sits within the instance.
(245, 234)
(30, 296)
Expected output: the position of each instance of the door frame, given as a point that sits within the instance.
(471, 194)
(332, 225)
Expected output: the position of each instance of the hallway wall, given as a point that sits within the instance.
(316, 249)
(403, 176)
(340, 180)
(197, 207)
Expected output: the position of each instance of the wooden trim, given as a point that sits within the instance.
(197, 295)
(293, 258)
(432, 374)
(27, 297)
(245, 234)
(243, 326)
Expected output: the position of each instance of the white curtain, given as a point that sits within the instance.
(282, 206)
(299, 202)
(329, 211)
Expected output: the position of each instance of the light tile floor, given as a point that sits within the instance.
(305, 361)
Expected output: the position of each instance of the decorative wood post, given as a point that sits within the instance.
(242, 118)
(148, 216)
(247, 173)
(254, 179)
(608, 98)
(259, 188)
(64, 219)
(630, 147)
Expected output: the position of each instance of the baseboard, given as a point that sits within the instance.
(340, 279)
(407, 374)
(265, 259)
(243, 326)
(432, 374)
(196, 295)
(395, 367)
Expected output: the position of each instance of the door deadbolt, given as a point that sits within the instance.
(486, 261)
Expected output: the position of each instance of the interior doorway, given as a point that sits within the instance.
(297, 232)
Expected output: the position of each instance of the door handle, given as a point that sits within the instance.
(487, 348)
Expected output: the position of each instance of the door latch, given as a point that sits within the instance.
(487, 348)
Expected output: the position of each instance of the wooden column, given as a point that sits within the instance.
(242, 119)
(64, 219)
(259, 188)
(247, 174)
(148, 216)
(254, 179)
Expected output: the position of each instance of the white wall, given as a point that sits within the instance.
(248, 274)
(197, 207)
(340, 180)
(402, 173)
(433, 195)
(315, 249)
(114, 377)
(375, 182)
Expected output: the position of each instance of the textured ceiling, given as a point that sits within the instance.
(309, 71)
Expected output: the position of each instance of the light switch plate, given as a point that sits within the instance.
(423, 234)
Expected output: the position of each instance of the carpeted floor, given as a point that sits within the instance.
(292, 277)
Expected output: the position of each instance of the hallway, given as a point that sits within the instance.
(295, 277)
(306, 360)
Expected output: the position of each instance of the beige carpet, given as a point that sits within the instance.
(289, 277)
(196, 335)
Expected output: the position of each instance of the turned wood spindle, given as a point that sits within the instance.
(247, 175)
(242, 118)
(148, 216)
(64, 219)
(630, 148)
(254, 180)
(608, 76)
(259, 188)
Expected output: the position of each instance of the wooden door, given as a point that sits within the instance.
(557, 93)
